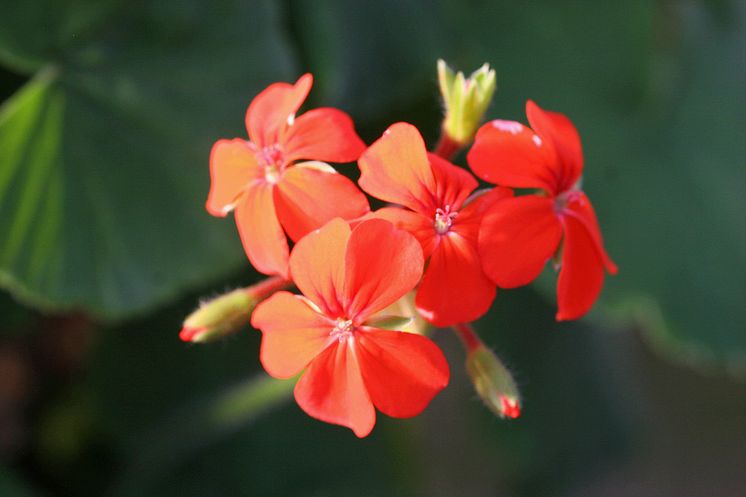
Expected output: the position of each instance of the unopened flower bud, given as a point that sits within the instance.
(466, 100)
(227, 313)
(493, 382)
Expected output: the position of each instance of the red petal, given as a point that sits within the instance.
(508, 153)
(517, 238)
(396, 169)
(412, 222)
(293, 333)
(268, 113)
(322, 134)
(453, 185)
(317, 266)
(232, 167)
(310, 194)
(582, 274)
(402, 371)
(332, 390)
(262, 237)
(454, 289)
(580, 207)
(561, 132)
(382, 263)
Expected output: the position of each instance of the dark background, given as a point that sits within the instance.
(110, 109)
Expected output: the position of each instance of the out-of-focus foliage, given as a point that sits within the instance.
(103, 171)
(103, 165)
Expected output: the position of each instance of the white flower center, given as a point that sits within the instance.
(342, 330)
(444, 219)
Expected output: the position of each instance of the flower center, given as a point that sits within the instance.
(342, 330)
(273, 161)
(444, 219)
(564, 198)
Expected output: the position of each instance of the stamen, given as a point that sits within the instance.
(273, 161)
(342, 330)
(444, 219)
(564, 198)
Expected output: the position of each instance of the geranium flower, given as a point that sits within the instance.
(520, 234)
(266, 185)
(440, 213)
(351, 365)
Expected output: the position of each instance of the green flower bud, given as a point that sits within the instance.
(466, 100)
(493, 382)
(227, 313)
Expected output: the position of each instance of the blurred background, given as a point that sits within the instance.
(109, 112)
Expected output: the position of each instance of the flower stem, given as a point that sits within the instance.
(468, 336)
(446, 147)
(265, 288)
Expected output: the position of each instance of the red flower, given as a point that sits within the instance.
(350, 364)
(398, 169)
(520, 234)
(269, 189)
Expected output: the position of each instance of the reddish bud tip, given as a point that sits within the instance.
(493, 382)
(188, 334)
(510, 407)
(227, 313)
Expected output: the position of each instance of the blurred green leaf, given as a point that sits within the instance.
(656, 91)
(675, 208)
(103, 170)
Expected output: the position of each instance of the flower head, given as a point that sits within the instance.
(351, 365)
(271, 191)
(439, 210)
(520, 234)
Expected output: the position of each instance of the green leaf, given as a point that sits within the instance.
(658, 101)
(676, 207)
(662, 124)
(104, 163)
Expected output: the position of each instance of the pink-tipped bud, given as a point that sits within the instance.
(227, 313)
(510, 407)
(493, 382)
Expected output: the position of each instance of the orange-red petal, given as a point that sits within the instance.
(454, 288)
(417, 224)
(396, 169)
(402, 371)
(232, 167)
(310, 194)
(558, 129)
(332, 390)
(269, 112)
(293, 333)
(582, 274)
(261, 234)
(382, 263)
(580, 207)
(517, 237)
(317, 266)
(507, 153)
(453, 185)
(323, 134)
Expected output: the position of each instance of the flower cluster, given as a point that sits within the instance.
(440, 237)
